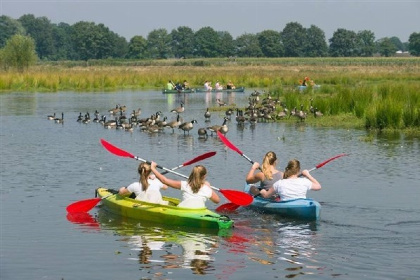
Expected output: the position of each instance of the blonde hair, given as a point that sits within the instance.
(144, 172)
(197, 176)
(269, 159)
(292, 168)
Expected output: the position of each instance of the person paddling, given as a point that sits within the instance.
(195, 191)
(268, 175)
(293, 186)
(148, 187)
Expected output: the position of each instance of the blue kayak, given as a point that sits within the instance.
(302, 208)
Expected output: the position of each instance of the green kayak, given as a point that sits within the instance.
(169, 91)
(169, 214)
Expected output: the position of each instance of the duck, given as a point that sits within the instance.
(207, 115)
(58, 120)
(51, 117)
(178, 110)
(202, 132)
(187, 126)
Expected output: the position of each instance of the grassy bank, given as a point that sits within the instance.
(375, 93)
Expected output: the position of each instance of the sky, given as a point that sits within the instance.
(129, 18)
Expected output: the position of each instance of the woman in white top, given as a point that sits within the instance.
(293, 186)
(195, 191)
(148, 188)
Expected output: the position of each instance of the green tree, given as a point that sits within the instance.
(137, 47)
(294, 40)
(366, 40)
(182, 42)
(414, 44)
(206, 42)
(247, 45)
(397, 42)
(386, 47)
(316, 44)
(62, 42)
(41, 30)
(159, 44)
(8, 28)
(91, 41)
(344, 43)
(227, 44)
(19, 52)
(270, 43)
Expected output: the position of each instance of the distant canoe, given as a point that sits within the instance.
(302, 88)
(239, 89)
(169, 91)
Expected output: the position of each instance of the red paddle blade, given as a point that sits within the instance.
(115, 150)
(227, 207)
(82, 218)
(228, 143)
(83, 205)
(328, 160)
(201, 157)
(238, 197)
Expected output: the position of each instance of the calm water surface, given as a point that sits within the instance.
(370, 218)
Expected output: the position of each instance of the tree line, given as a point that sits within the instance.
(88, 40)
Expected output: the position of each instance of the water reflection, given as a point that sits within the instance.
(161, 247)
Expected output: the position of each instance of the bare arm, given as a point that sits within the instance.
(267, 193)
(166, 181)
(215, 197)
(252, 178)
(316, 186)
(123, 191)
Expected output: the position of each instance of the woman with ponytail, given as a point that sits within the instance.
(148, 187)
(268, 175)
(293, 186)
(195, 191)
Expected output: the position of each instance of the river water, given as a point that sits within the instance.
(370, 217)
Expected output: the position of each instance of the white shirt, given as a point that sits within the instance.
(152, 194)
(292, 188)
(194, 200)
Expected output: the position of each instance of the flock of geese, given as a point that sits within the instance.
(264, 110)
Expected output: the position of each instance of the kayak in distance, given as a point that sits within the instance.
(170, 91)
(238, 89)
(169, 214)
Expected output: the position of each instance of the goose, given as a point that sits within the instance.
(96, 119)
(80, 117)
(51, 117)
(86, 120)
(240, 119)
(228, 113)
(221, 103)
(179, 109)
(301, 114)
(207, 115)
(114, 110)
(187, 126)
(215, 128)
(110, 124)
(173, 124)
(202, 133)
(317, 113)
(58, 120)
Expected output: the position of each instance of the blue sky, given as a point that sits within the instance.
(139, 17)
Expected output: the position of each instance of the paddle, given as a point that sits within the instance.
(237, 197)
(230, 207)
(231, 146)
(87, 204)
